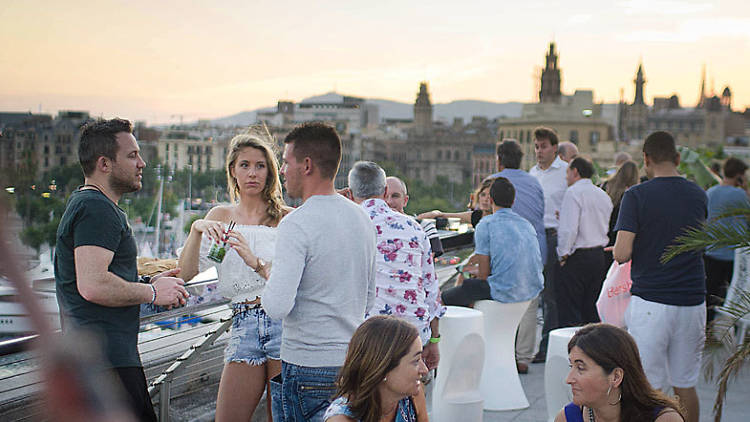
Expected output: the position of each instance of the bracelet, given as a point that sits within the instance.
(435, 340)
(153, 294)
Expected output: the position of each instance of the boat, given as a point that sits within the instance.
(14, 318)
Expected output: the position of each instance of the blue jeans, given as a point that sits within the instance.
(303, 394)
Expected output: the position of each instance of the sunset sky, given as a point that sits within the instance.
(156, 60)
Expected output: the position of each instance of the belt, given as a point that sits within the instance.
(551, 230)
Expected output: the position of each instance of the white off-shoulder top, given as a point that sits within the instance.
(237, 281)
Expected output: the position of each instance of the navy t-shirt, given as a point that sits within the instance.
(91, 219)
(657, 211)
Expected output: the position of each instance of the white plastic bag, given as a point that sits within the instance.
(615, 295)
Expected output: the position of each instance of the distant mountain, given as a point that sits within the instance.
(389, 109)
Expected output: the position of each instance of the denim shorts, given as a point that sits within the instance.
(302, 393)
(255, 337)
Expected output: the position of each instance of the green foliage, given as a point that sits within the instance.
(712, 235)
(191, 220)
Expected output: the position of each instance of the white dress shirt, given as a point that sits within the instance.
(554, 185)
(584, 218)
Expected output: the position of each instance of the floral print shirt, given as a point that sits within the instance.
(405, 280)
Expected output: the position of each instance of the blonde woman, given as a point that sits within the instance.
(252, 356)
(625, 177)
(481, 206)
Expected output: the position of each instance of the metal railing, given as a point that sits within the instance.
(181, 350)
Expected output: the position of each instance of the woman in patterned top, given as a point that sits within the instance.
(380, 379)
(252, 356)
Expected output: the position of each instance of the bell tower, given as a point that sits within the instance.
(550, 88)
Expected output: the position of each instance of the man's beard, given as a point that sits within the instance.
(123, 185)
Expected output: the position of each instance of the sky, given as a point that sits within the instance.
(162, 61)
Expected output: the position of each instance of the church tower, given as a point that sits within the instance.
(726, 98)
(423, 111)
(550, 89)
(639, 82)
(636, 116)
(702, 95)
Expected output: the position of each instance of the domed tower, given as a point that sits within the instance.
(726, 98)
(423, 111)
(550, 89)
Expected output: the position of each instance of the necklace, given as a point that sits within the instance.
(591, 415)
(97, 188)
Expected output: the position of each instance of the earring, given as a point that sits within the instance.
(619, 397)
(385, 379)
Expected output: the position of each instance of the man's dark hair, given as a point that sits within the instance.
(585, 167)
(99, 139)
(734, 167)
(509, 154)
(320, 142)
(660, 147)
(502, 192)
(546, 133)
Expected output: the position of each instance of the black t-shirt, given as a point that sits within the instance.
(657, 211)
(91, 219)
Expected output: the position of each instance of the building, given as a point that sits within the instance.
(198, 148)
(427, 150)
(350, 116)
(39, 140)
(709, 124)
(576, 118)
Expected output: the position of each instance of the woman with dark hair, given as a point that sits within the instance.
(480, 206)
(625, 177)
(252, 356)
(381, 377)
(608, 382)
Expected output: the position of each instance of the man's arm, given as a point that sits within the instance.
(623, 250)
(98, 285)
(431, 352)
(484, 266)
(570, 213)
(288, 265)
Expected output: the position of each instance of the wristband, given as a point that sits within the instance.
(435, 340)
(153, 294)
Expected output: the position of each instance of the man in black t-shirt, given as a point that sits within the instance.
(667, 312)
(96, 273)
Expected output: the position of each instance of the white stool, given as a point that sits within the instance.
(456, 392)
(556, 390)
(501, 387)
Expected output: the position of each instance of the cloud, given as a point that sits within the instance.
(693, 30)
(666, 7)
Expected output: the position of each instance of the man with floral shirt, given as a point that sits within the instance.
(405, 280)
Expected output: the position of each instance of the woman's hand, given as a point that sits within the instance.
(430, 214)
(214, 229)
(238, 243)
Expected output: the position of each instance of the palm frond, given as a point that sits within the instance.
(712, 235)
(721, 339)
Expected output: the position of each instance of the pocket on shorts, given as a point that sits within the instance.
(314, 397)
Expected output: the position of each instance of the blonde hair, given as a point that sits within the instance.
(625, 177)
(262, 140)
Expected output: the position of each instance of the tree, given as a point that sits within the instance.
(710, 236)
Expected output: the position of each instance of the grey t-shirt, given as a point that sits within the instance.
(91, 219)
(322, 280)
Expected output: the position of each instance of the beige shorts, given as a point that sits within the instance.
(670, 340)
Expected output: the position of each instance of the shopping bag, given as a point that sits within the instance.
(615, 295)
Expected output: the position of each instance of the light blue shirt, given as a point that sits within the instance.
(720, 200)
(515, 261)
(529, 203)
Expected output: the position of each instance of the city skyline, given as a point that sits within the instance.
(168, 60)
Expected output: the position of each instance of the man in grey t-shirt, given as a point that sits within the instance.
(322, 281)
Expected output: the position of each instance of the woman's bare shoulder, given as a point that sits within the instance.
(560, 417)
(669, 415)
(340, 418)
(220, 213)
